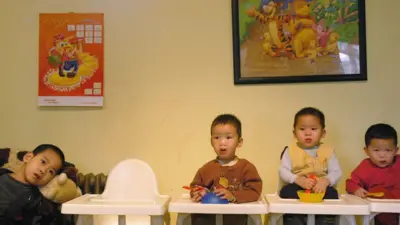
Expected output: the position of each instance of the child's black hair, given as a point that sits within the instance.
(228, 119)
(380, 131)
(310, 111)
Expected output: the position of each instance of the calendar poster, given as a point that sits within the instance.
(71, 59)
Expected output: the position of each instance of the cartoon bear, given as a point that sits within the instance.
(302, 28)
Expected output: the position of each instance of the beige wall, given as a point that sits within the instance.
(168, 73)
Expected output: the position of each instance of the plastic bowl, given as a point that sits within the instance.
(310, 197)
(212, 198)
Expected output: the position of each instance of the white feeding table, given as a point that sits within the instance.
(131, 190)
(184, 206)
(346, 206)
(382, 206)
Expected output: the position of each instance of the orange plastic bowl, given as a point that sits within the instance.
(310, 197)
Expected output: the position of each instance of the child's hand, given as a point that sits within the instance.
(361, 192)
(198, 194)
(224, 194)
(304, 182)
(321, 185)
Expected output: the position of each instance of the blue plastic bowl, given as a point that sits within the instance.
(212, 198)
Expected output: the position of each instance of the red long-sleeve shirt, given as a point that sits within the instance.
(376, 179)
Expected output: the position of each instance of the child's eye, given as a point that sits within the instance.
(302, 128)
(43, 162)
(216, 137)
(228, 137)
(52, 172)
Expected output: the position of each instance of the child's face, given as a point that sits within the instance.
(381, 151)
(225, 140)
(41, 168)
(308, 131)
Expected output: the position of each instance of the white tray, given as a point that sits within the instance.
(185, 205)
(384, 205)
(345, 205)
(94, 205)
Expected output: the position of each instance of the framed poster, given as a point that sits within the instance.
(289, 41)
(71, 59)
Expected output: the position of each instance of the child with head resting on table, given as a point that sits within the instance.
(20, 198)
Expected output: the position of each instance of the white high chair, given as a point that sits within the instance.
(345, 207)
(130, 197)
(381, 206)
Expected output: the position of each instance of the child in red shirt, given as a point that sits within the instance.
(381, 171)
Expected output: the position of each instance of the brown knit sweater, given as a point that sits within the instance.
(243, 179)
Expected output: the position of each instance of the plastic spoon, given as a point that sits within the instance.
(376, 194)
(195, 188)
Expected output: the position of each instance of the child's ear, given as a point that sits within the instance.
(240, 142)
(366, 150)
(323, 133)
(27, 157)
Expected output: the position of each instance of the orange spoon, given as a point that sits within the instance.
(376, 194)
(311, 176)
(195, 188)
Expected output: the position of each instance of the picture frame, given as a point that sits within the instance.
(294, 41)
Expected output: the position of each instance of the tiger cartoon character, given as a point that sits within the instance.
(281, 41)
(270, 9)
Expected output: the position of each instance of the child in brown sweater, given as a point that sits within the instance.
(230, 177)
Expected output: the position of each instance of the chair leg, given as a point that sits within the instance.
(254, 219)
(180, 220)
(310, 219)
(274, 218)
(121, 220)
(157, 220)
(85, 220)
(346, 219)
(219, 219)
(339, 220)
(370, 219)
